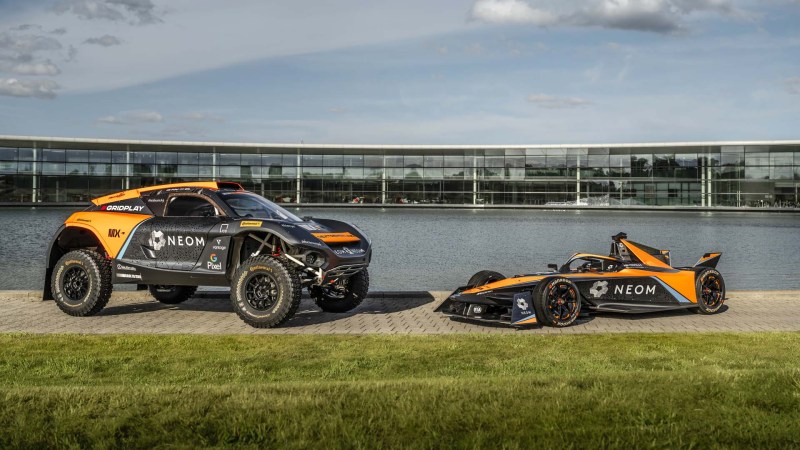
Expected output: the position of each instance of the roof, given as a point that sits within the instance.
(135, 193)
(255, 145)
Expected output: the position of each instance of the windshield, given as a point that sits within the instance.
(252, 205)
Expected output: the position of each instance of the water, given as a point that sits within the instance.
(439, 249)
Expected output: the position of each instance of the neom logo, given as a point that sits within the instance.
(634, 289)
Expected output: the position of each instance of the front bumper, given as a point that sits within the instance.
(515, 311)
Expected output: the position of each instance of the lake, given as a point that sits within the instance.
(432, 249)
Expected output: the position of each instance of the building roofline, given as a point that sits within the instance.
(385, 146)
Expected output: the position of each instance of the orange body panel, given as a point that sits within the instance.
(646, 258)
(134, 193)
(336, 238)
(111, 229)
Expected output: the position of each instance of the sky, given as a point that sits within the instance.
(402, 72)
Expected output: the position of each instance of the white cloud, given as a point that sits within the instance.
(132, 117)
(199, 116)
(553, 102)
(133, 11)
(27, 43)
(35, 68)
(793, 85)
(105, 40)
(658, 16)
(28, 88)
(510, 11)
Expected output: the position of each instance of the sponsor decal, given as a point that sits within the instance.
(124, 267)
(599, 289)
(84, 220)
(286, 225)
(637, 289)
(113, 232)
(522, 304)
(213, 262)
(219, 246)
(254, 268)
(117, 195)
(73, 261)
(134, 276)
(158, 240)
(310, 227)
(311, 243)
(155, 200)
(223, 228)
(349, 251)
(121, 208)
(250, 223)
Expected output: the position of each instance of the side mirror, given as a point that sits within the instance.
(554, 267)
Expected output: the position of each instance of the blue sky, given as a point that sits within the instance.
(411, 72)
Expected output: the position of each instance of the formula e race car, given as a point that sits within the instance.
(633, 278)
(172, 238)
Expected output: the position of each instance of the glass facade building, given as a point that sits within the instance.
(731, 174)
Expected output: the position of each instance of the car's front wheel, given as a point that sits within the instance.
(264, 292)
(557, 302)
(171, 294)
(81, 282)
(343, 295)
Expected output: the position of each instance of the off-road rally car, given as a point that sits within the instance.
(172, 238)
(633, 278)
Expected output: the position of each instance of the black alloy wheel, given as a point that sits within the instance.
(562, 302)
(75, 283)
(261, 291)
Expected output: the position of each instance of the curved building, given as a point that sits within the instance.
(705, 174)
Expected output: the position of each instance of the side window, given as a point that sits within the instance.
(190, 206)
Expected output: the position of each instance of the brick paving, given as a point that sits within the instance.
(384, 313)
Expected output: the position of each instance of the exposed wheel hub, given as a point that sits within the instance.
(261, 291)
(562, 301)
(76, 283)
(711, 292)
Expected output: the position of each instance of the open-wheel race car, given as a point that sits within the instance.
(172, 238)
(633, 278)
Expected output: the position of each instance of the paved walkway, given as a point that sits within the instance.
(389, 313)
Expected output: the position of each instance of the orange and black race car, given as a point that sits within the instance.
(633, 278)
(172, 238)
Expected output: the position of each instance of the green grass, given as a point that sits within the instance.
(519, 391)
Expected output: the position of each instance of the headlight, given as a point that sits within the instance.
(315, 259)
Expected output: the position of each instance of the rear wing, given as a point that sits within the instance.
(709, 260)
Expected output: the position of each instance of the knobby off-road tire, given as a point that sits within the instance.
(81, 282)
(171, 294)
(333, 302)
(265, 293)
(710, 292)
(484, 277)
(557, 302)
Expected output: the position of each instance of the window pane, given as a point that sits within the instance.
(77, 155)
(49, 155)
(187, 158)
(229, 159)
(103, 156)
(8, 154)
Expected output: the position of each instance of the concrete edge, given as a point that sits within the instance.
(37, 295)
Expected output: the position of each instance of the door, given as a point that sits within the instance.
(178, 239)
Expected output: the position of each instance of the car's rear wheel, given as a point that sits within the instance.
(557, 302)
(171, 294)
(344, 295)
(264, 292)
(484, 277)
(710, 292)
(81, 282)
